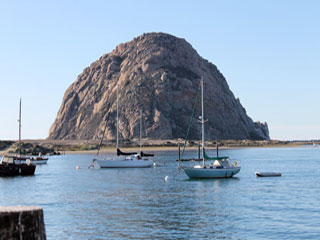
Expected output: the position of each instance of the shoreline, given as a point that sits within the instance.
(90, 147)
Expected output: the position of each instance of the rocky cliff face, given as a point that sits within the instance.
(160, 75)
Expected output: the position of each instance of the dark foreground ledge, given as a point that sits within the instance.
(22, 222)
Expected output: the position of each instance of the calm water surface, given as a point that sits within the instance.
(140, 204)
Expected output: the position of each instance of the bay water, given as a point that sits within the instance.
(140, 204)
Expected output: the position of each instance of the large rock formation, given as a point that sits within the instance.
(159, 74)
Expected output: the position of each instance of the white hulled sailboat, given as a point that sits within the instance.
(124, 160)
(220, 168)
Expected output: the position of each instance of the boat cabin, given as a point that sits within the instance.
(137, 157)
(15, 160)
(222, 163)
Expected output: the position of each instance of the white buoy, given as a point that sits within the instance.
(166, 178)
(154, 164)
(78, 167)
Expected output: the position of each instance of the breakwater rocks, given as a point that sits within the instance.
(30, 148)
(5, 144)
(158, 74)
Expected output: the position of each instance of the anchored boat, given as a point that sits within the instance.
(268, 174)
(17, 165)
(123, 159)
(11, 166)
(39, 160)
(220, 168)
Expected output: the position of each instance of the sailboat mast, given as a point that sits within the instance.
(202, 121)
(117, 116)
(140, 130)
(19, 128)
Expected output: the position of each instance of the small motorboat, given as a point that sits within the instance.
(268, 174)
(16, 165)
(38, 160)
(11, 166)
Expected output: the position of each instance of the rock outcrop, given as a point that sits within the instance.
(160, 75)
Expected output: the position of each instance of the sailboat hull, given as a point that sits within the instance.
(203, 173)
(123, 163)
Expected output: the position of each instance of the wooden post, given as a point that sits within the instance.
(217, 149)
(20, 128)
(179, 156)
(199, 152)
(22, 222)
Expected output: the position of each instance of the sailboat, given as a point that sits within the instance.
(132, 160)
(220, 168)
(17, 165)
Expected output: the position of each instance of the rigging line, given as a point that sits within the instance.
(105, 127)
(190, 121)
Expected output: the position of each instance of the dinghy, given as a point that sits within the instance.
(268, 174)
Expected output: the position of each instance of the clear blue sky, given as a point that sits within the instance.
(269, 52)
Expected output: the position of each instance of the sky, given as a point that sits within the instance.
(268, 51)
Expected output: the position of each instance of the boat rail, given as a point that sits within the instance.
(110, 158)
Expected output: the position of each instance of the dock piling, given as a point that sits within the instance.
(179, 156)
(217, 149)
(22, 222)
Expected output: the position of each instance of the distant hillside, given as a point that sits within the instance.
(159, 74)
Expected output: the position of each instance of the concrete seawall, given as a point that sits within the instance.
(22, 222)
